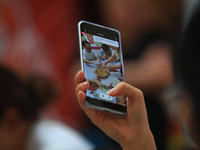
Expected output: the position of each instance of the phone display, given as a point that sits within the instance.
(102, 63)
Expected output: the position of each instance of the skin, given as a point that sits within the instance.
(88, 49)
(114, 66)
(132, 131)
(111, 59)
(157, 63)
(106, 55)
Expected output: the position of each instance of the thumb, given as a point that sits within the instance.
(134, 97)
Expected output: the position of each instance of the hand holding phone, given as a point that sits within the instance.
(123, 129)
(96, 40)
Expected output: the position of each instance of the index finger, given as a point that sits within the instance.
(79, 77)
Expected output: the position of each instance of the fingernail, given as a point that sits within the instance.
(79, 72)
(111, 91)
(77, 75)
(85, 84)
(79, 92)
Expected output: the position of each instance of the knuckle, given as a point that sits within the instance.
(122, 84)
(140, 93)
(76, 90)
(76, 80)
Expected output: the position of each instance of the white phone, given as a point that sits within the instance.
(102, 62)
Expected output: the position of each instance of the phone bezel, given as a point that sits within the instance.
(94, 29)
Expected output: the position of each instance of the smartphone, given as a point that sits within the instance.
(102, 62)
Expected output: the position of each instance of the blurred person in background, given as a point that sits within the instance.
(38, 37)
(149, 31)
(21, 124)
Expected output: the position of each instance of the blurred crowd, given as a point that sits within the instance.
(41, 37)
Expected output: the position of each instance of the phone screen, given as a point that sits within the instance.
(102, 63)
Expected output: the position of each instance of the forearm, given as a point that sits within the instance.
(99, 60)
(151, 72)
(115, 67)
(147, 78)
(87, 61)
(140, 142)
(110, 59)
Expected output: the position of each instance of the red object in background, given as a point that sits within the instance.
(57, 22)
(120, 79)
(90, 38)
(113, 70)
(41, 36)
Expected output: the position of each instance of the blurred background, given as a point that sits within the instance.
(40, 36)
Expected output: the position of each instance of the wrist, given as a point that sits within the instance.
(139, 142)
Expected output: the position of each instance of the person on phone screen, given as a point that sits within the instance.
(105, 52)
(115, 57)
(89, 55)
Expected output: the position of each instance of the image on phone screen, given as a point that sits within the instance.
(102, 63)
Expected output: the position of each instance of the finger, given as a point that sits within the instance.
(127, 90)
(81, 101)
(135, 99)
(93, 114)
(82, 87)
(79, 77)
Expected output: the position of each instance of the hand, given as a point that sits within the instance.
(100, 57)
(98, 65)
(130, 131)
(104, 65)
(104, 56)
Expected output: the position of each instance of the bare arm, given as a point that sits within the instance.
(152, 71)
(115, 66)
(90, 62)
(98, 59)
(110, 59)
(101, 57)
